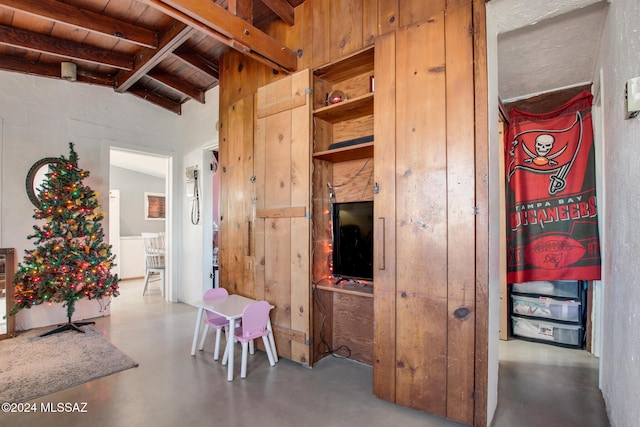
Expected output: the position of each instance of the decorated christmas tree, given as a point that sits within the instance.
(70, 261)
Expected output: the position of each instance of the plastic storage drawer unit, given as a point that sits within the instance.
(556, 288)
(549, 308)
(558, 333)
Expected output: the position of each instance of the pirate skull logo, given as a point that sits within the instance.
(544, 145)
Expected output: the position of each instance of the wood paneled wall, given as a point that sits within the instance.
(282, 190)
(431, 344)
(236, 161)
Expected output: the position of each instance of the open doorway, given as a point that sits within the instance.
(533, 52)
(140, 202)
(215, 216)
(547, 360)
(211, 217)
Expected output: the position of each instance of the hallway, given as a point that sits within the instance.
(544, 385)
(172, 388)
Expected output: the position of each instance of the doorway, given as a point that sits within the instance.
(211, 218)
(134, 176)
(530, 53)
(548, 378)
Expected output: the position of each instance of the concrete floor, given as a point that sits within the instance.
(544, 385)
(539, 385)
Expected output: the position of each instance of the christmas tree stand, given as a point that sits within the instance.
(69, 326)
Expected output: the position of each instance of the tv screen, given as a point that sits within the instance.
(353, 240)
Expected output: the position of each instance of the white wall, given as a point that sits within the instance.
(41, 116)
(133, 186)
(199, 135)
(495, 144)
(619, 53)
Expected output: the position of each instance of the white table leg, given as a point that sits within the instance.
(272, 341)
(230, 346)
(196, 332)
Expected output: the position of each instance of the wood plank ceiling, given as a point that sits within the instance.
(164, 51)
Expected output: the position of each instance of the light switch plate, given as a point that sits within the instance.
(633, 97)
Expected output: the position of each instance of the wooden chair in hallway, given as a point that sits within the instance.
(154, 259)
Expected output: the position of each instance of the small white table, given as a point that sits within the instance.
(231, 308)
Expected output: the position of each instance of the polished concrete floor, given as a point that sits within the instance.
(548, 386)
(539, 385)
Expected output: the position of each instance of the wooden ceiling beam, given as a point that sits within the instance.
(85, 76)
(178, 85)
(282, 8)
(19, 65)
(161, 101)
(217, 22)
(211, 68)
(243, 9)
(85, 20)
(24, 66)
(46, 44)
(146, 59)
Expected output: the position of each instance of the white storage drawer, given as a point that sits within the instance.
(557, 288)
(558, 333)
(549, 308)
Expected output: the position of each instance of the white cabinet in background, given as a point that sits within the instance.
(131, 259)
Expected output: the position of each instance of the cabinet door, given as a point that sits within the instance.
(424, 280)
(282, 210)
(384, 205)
(236, 195)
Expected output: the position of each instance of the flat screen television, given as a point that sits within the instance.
(352, 225)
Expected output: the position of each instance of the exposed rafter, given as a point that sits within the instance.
(229, 29)
(282, 8)
(146, 59)
(164, 51)
(63, 48)
(84, 19)
(10, 63)
(212, 68)
(156, 99)
(178, 85)
(243, 9)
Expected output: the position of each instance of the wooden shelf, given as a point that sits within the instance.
(343, 68)
(350, 289)
(343, 154)
(347, 110)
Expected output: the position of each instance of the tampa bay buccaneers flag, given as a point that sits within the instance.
(552, 216)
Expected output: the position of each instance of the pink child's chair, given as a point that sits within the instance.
(215, 320)
(254, 325)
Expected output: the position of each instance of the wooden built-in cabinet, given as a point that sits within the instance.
(349, 119)
(424, 328)
(343, 316)
(265, 230)
(426, 213)
(236, 259)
